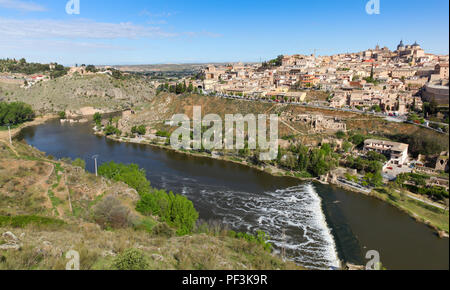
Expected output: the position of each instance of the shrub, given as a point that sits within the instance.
(111, 130)
(110, 212)
(260, 238)
(163, 229)
(146, 224)
(131, 259)
(358, 139)
(129, 174)
(141, 130)
(163, 134)
(79, 163)
(176, 210)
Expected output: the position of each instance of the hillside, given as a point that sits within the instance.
(74, 92)
(162, 107)
(49, 207)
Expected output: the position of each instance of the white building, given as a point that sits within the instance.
(397, 151)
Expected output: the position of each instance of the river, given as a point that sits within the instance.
(317, 225)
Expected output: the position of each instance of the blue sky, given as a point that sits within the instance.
(183, 31)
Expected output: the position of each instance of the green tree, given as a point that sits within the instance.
(79, 163)
(111, 130)
(340, 135)
(357, 139)
(98, 118)
(347, 146)
(15, 113)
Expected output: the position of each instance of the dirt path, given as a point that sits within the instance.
(292, 128)
(10, 147)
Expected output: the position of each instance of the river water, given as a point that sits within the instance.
(317, 225)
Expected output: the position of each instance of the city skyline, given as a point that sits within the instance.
(152, 32)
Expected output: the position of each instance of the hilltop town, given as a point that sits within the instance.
(379, 80)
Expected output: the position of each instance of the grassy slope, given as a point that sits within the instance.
(32, 185)
(75, 92)
(164, 106)
(435, 217)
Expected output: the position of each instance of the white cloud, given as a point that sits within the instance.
(54, 44)
(147, 13)
(203, 33)
(22, 5)
(75, 35)
(77, 29)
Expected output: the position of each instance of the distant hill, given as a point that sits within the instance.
(74, 92)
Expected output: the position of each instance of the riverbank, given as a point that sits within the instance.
(4, 134)
(272, 170)
(246, 200)
(434, 218)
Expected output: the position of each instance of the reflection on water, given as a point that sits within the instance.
(318, 221)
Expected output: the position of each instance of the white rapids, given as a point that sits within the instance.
(292, 217)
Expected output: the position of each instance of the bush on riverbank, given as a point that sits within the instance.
(15, 113)
(176, 210)
(131, 174)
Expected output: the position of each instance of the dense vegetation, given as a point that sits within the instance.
(111, 130)
(140, 130)
(98, 119)
(260, 238)
(175, 210)
(425, 144)
(22, 66)
(277, 62)
(315, 162)
(15, 113)
(131, 174)
(179, 88)
(417, 183)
